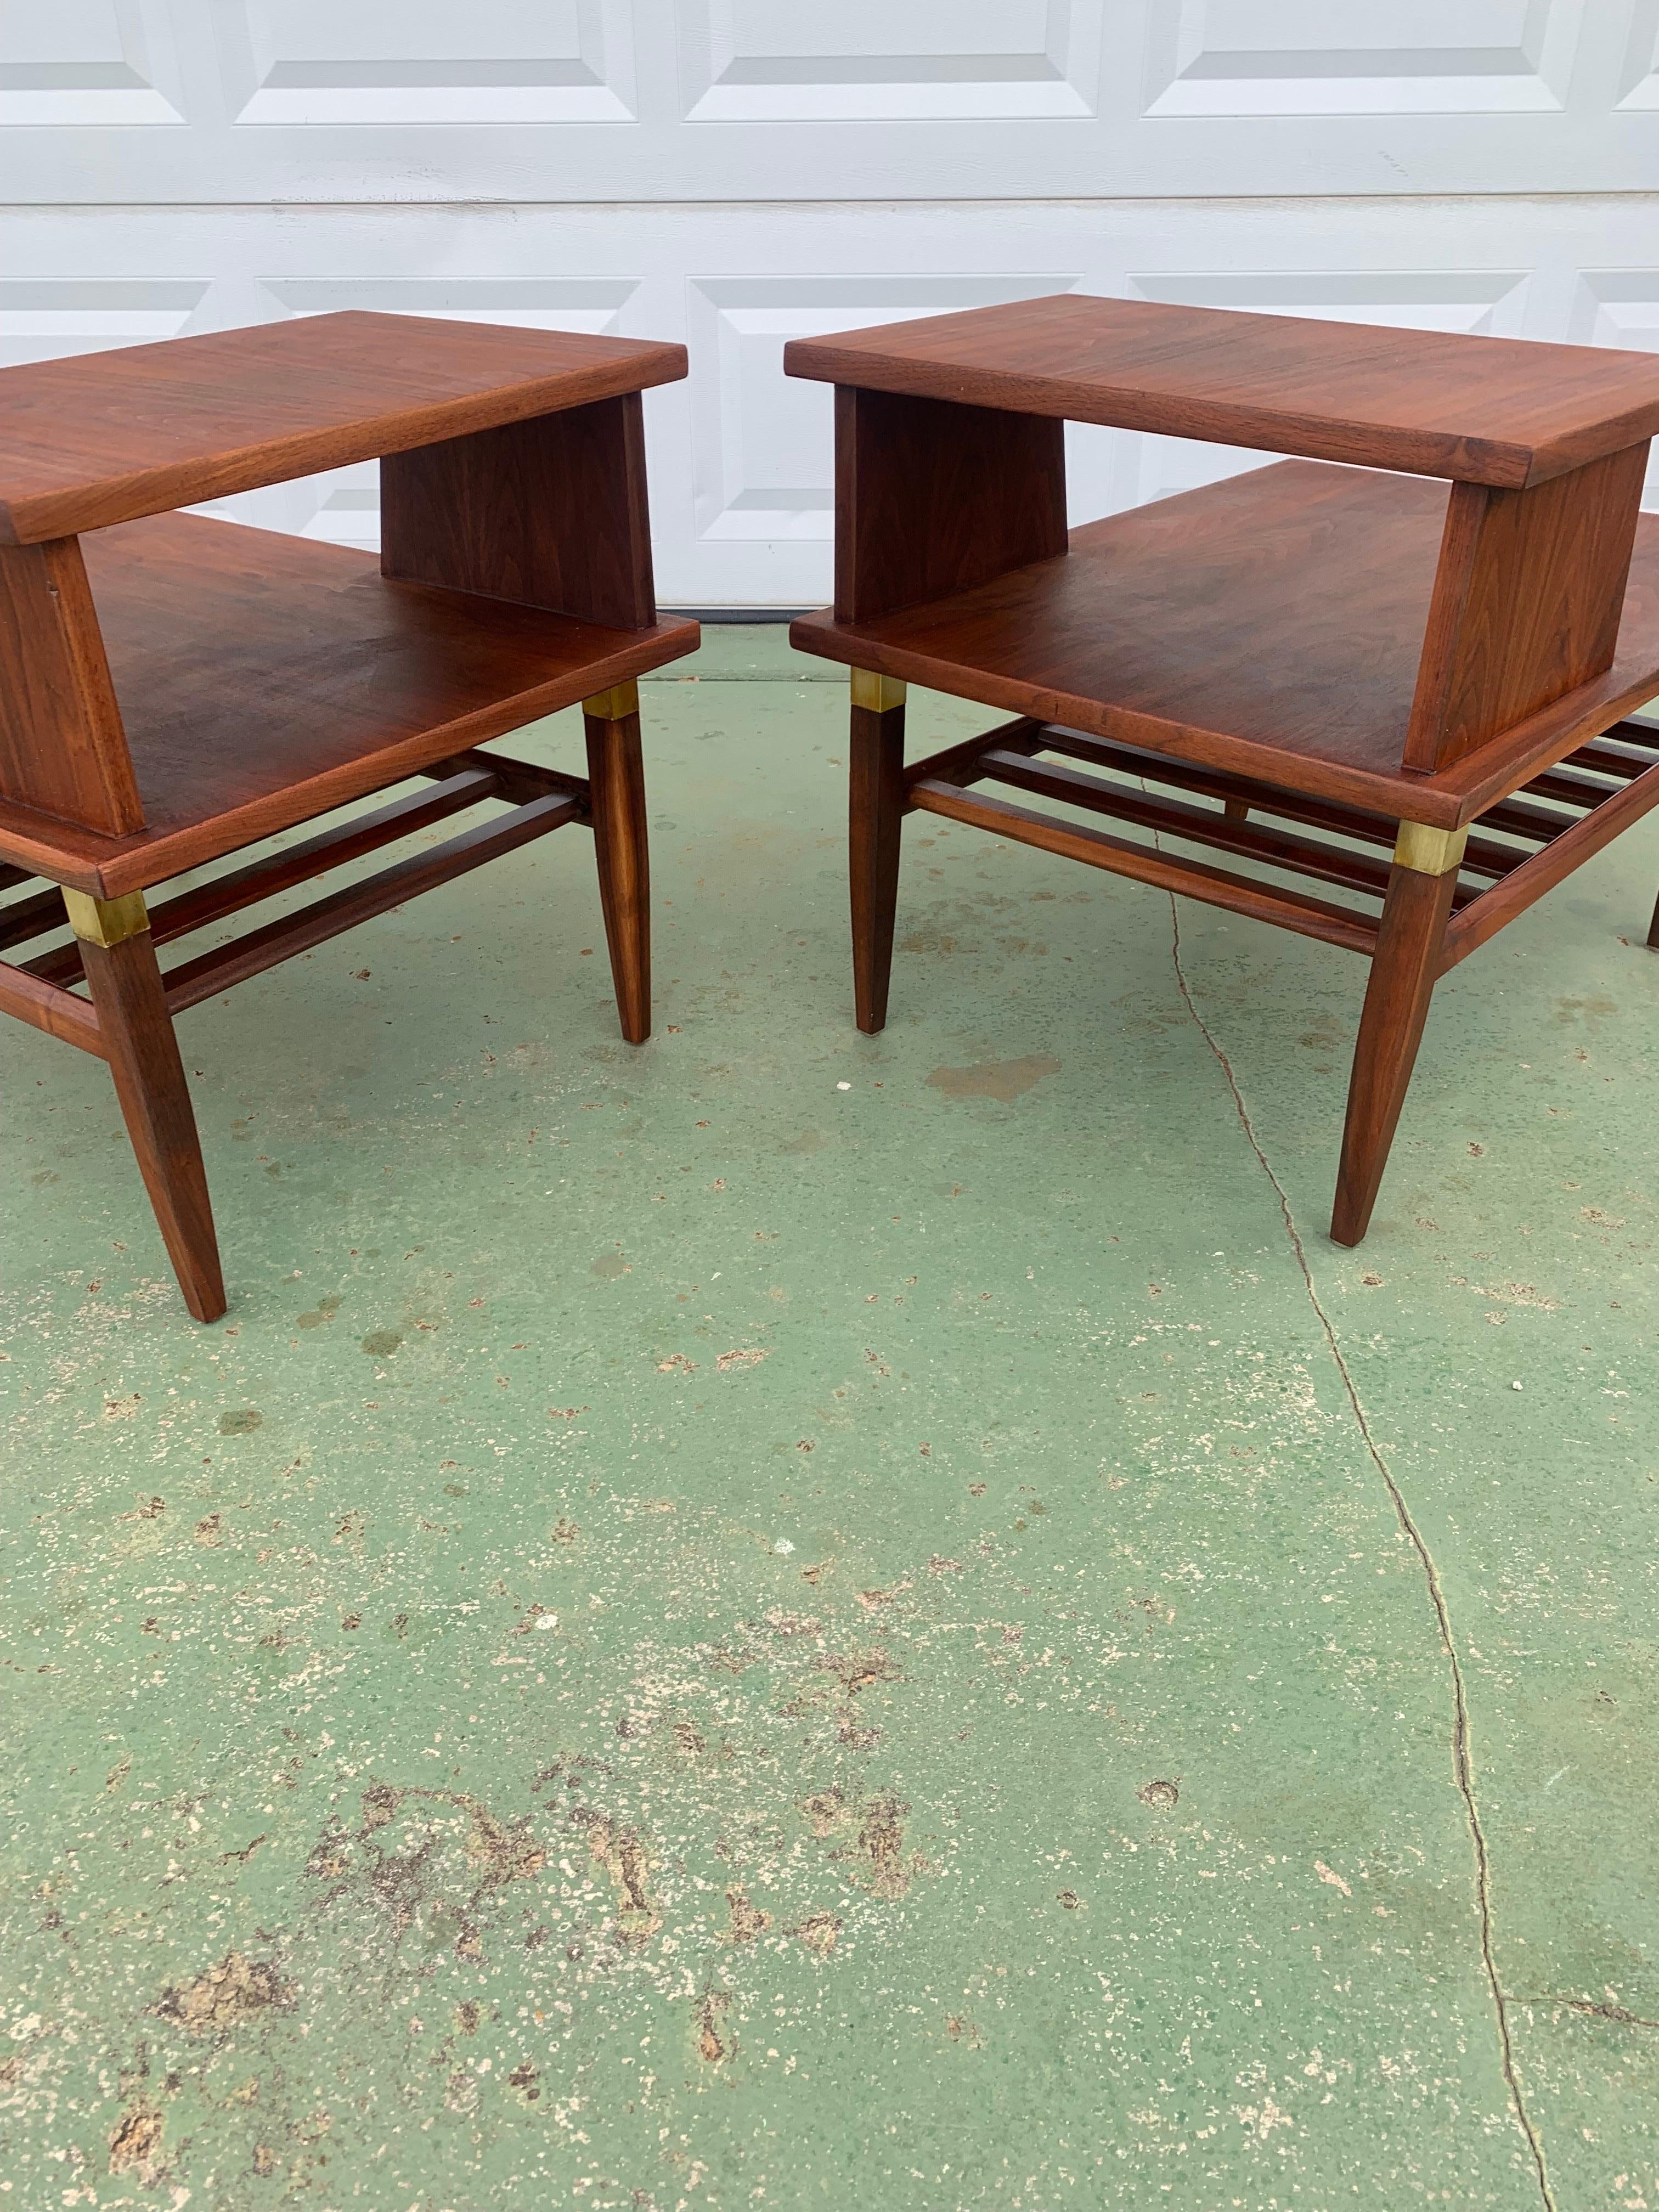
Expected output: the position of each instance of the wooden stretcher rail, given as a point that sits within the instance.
(297, 864)
(46, 1006)
(1484, 916)
(518, 781)
(280, 940)
(959, 764)
(1311, 917)
(24, 919)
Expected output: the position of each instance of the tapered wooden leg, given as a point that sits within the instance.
(615, 767)
(1653, 928)
(876, 814)
(1403, 969)
(137, 1033)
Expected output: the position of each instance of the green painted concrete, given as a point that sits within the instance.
(795, 1621)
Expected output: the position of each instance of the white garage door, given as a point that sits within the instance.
(733, 171)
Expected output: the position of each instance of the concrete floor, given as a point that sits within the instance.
(792, 1620)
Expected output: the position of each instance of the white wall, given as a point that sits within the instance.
(732, 172)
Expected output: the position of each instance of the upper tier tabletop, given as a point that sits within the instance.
(106, 437)
(1502, 411)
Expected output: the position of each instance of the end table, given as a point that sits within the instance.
(173, 687)
(1429, 685)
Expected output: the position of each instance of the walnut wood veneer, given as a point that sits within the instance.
(1431, 681)
(174, 689)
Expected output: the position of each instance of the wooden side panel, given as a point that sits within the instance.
(62, 748)
(932, 498)
(552, 512)
(1526, 603)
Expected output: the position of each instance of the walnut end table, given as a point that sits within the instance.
(1427, 685)
(173, 687)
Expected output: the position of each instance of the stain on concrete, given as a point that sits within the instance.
(881, 1846)
(714, 2040)
(820, 1932)
(1002, 1079)
(623, 1857)
(134, 2147)
(225, 1997)
(748, 1921)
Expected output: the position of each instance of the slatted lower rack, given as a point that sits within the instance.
(1519, 849)
(40, 989)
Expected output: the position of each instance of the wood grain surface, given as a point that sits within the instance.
(1505, 411)
(264, 679)
(106, 437)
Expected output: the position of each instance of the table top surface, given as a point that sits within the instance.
(104, 438)
(1506, 412)
(264, 679)
(1270, 624)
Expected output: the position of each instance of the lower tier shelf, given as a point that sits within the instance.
(264, 679)
(1270, 625)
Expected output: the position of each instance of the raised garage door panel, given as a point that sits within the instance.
(732, 173)
(250, 101)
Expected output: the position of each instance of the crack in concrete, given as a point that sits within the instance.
(1616, 2013)
(1461, 1761)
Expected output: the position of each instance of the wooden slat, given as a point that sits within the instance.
(1517, 817)
(280, 940)
(519, 780)
(32, 917)
(1571, 786)
(1223, 783)
(1311, 917)
(1480, 858)
(957, 765)
(299, 863)
(1488, 914)
(60, 1013)
(1172, 818)
(1613, 756)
